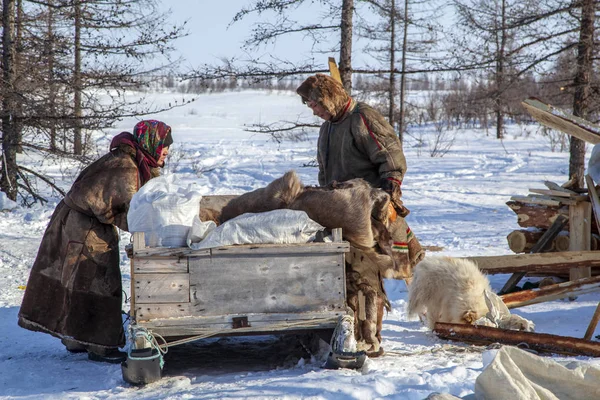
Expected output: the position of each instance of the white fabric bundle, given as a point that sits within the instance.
(164, 210)
(278, 226)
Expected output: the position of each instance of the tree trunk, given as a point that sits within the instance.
(392, 80)
(18, 67)
(500, 73)
(8, 180)
(51, 78)
(346, 45)
(582, 89)
(77, 141)
(402, 122)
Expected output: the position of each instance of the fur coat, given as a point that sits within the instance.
(74, 289)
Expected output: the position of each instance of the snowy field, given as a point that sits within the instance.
(457, 202)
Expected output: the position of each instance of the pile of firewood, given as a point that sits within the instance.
(538, 212)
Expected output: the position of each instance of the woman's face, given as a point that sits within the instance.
(318, 110)
(163, 154)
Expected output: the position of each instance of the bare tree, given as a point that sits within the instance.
(581, 83)
(72, 53)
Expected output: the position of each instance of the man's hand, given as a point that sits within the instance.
(392, 187)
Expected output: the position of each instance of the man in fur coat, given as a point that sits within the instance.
(74, 289)
(356, 141)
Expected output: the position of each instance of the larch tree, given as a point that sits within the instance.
(77, 60)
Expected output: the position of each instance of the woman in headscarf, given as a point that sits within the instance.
(74, 290)
(356, 141)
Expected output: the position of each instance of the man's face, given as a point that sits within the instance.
(318, 110)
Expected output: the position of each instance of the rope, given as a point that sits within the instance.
(446, 348)
(315, 323)
(150, 337)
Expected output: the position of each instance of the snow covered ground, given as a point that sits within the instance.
(457, 202)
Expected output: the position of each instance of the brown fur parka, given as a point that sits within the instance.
(74, 289)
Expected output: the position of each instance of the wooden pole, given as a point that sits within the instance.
(551, 292)
(536, 341)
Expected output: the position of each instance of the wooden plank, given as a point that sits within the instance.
(283, 249)
(555, 186)
(222, 324)
(333, 69)
(160, 265)
(536, 200)
(580, 231)
(145, 312)
(508, 264)
(551, 292)
(138, 243)
(268, 283)
(162, 288)
(555, 193)
(557, 118)
(594, 198)
(535, 341)
(295, 248)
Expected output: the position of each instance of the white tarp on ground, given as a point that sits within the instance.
(516, 374)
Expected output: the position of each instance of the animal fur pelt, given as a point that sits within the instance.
(356, 207)
(446, 289)
(276, 195)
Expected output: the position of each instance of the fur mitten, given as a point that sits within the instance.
(392, 187)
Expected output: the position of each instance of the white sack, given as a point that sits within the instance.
(199, 230)
(593, 169)
(278, 226)
(519, 375)
(164, 210)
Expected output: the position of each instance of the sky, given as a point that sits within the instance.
(457, 202)
(212, 35)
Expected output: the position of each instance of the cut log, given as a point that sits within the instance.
(551, 292)
(539, 262)
(543, 243)
(522, 240)
(541, 342)
(561, 242)
(540, 216)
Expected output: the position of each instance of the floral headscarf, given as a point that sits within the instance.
(151, 135)
(148, 139)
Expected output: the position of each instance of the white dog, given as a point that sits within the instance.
(446, 289)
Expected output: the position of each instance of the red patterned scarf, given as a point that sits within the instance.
(148, 140)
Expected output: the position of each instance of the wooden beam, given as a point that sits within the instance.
(537, 262)
(561, 120)
(594, 198)
(542, 342)
(580, 230)
(551, 292)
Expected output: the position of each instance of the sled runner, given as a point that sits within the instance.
(180, 295)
